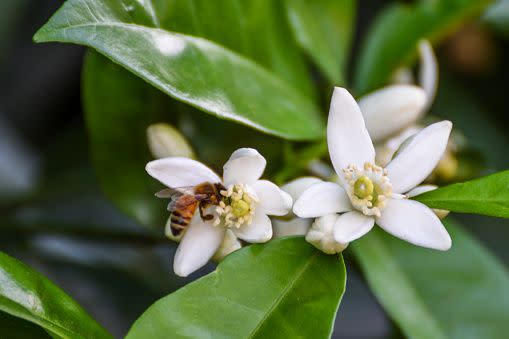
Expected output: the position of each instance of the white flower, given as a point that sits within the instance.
(246, 204)
(391, 113)
(290, 224)
(367, 193)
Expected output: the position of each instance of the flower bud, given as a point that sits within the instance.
(164, 141)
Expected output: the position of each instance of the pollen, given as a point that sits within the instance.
(368, 188)
(237, 206)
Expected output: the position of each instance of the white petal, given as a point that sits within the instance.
(296, 187)
(198, 245)
(418, 157)
(321, 199)
(414, 222)
(347, 137)
(272, 199)
(351, 226)
(180, 172)
(420, 190)
(428, 74)
(391, 109)
(229, 244)
(294, 226)
(245, 166)
(260, 229)
(321, 235)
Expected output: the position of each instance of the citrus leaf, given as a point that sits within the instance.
(283, 289)
(488, 195)
(191, 69)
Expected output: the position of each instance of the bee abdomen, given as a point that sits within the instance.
(179, 222)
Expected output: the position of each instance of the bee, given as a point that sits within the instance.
(185, 200)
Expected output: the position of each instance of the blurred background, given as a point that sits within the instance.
(54, 216)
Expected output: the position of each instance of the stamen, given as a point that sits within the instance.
(237, 207)
(368, 188)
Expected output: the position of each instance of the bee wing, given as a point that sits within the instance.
(175, 192)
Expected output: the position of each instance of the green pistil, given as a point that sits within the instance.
(363, 188)
(240, 208)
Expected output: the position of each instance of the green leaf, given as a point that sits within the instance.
(393, 38)
(460, 294)
(324, 30)
(26, 294)
(118, 110)
(283, 289)
(190, 69)
(487, 195)
(255, 29)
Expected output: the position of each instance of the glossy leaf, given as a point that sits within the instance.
(255, 29)
(283, 289)
(28, 295)
(430, 294)
(324, 30)
(190, 69)
(393, 38)
(487, 195)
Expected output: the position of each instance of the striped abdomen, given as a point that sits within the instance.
(182, 214)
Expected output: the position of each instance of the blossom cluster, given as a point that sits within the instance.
(380, 157)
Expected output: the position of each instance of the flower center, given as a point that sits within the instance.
(237, 206)
(240, 208)
(368, 188)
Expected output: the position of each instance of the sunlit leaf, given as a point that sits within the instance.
(27, 294)
(283, 289)
(190, 69)
(324, 30)
(256, 29)
(393, 37)
(487, 195)
(430, 294)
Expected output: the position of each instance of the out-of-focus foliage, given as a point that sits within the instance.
(196, 71)
(394, 35)
(455, 294)
(119, 108)
(28, 295)
(276, 290)
(17, 328)
(324, 30)
(498, 16)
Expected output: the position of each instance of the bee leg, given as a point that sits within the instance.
(203, 215)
